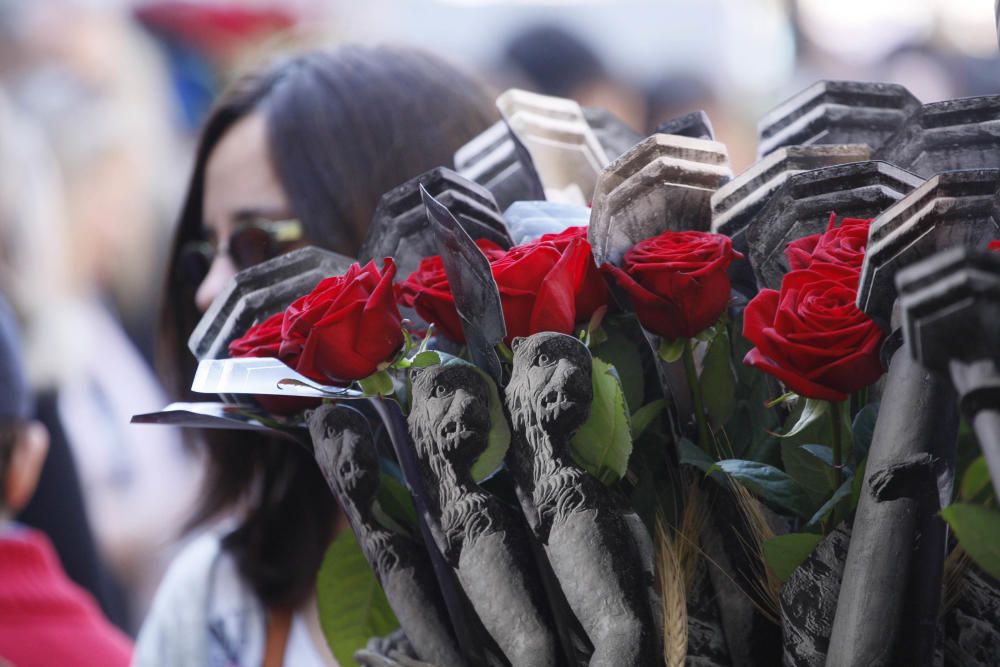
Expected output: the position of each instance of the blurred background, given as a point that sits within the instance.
(101, 100)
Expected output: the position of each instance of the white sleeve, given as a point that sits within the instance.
(175, 631)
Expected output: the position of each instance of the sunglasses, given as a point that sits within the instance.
(252, 242)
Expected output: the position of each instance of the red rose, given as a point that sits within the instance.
(544, 285)
(594, 292)
(993, 245)
(426, 290)
(346, 327)
(842, 244)
(678, 281)
(812, 336)
(264, 340)
(260, 340)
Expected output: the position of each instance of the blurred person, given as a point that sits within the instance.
(678, 94)
(202, 42)
(90, 82)
(928, 73)
(685, 91)
(98, 85)
(45, 619)
(550, 60)
(306, 145)
(34, 273)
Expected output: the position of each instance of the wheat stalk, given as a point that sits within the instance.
(677, 558)
(673, 599)
(765, 584)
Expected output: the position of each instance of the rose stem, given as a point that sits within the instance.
(704, 436)
(838, 455)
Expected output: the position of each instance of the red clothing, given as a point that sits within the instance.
(46, 619)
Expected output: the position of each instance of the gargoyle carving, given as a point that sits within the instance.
(345, 452)
(590, 545)
(483, 539)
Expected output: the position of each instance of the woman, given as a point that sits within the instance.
(297, 154)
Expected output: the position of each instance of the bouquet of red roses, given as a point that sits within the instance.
(664, 435)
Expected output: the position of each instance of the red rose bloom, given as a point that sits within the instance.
(264, 340)
(426, 290)
(593, 293)
(842, 244)
(260, 340)
(993, 245)
(544, 285)
(346, 327)
(811, 335)
(678, 281)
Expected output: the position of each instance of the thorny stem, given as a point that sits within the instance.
(704, 435)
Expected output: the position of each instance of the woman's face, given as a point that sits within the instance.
(240, 186)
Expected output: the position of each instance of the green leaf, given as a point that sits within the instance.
(503, 351)
(419, 360)
(975, 479)
(395, 501)
(426, 358)
(842, 494)
(750, 429)
(352, 606)
(378, 383)
(706, 335)
(785, 553)
(428, 336)
(619, 350)
(596, 337)
(812, 411)
(784, 398)
(718, 381)
(770, 484)
(603, 444)
(978, 531)
(863, 429)
(765, 450)
(499, 440)
(694, 455)
(644, 416)
(671, 350)
(811, 471)
(821, 452)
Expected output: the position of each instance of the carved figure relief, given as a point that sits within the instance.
(346, 454)
(482, 539)
(590, 545)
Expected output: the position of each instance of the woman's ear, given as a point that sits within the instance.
(26, 463)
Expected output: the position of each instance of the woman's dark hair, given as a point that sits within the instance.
(344, 126)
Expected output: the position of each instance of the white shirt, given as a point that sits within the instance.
(204, 613)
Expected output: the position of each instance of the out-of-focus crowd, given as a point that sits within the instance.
(100, 104)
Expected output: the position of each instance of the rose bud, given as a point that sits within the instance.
(677, 281)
